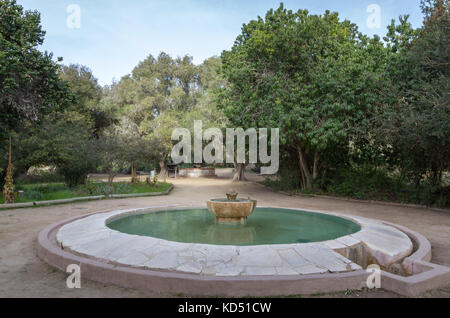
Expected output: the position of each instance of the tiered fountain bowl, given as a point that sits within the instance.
(231, 210)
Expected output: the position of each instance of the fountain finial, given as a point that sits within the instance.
(232, 195)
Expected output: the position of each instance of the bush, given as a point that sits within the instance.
(40, 175)
(368, 183)
(359, 182)
(288, 176)
(122, 188)
(32, 195)
(74, 175)
(44, 188)
(285, 180)
(93, 189)
(38, 192)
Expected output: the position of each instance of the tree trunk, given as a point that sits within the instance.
(239, 174)
(316, 164)
(110, 187)
(133, 173)
(305, 168)
(302, 179)
(164, 173)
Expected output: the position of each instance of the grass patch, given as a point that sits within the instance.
(59, 191)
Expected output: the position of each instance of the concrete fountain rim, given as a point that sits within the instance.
(98, 269)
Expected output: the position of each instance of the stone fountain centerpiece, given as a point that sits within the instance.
(231, 210)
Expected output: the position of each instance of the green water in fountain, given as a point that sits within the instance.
(264, 226)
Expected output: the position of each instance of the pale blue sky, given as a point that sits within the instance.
(116, 34)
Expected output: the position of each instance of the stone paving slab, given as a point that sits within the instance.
(348, 241)
(91, 237)
(324, 257)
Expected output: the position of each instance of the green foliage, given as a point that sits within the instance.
(101, 188)
(33, 195)
(362, 183)
(43, 187)
(162, 94)
(285, 180)
(57, 191)
(343, 101)
(358, 117)
(122, 188)
(40, 192)
(88, 94)
(40, 176)
(121, 146)
(95, 189)
(314, 77)
(61, 140)
(415, 125)
(29, 82)
(367, 183)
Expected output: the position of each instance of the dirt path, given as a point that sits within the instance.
(23, 274)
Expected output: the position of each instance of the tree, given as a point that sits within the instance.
(209, 77)
(87, 94)
(61, 140)
(155, 86)
(312, 76)
(30, 86)
(136, 150)
(159, 132)
(415, 124)
(110, 154)
(163, 93)
(29, 82)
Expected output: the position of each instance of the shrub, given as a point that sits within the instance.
(361, 182)
(93, 189)
(122, 188)
(367, 182)
(32, 195)
(74, 176)
(40, 175)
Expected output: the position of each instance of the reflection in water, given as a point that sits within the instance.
(231, 234)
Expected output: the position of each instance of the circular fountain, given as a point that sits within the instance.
(231, 210)
(231, 248)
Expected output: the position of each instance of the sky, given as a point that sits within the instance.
(112, 36)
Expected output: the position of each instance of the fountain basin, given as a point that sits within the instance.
(231, 212)
(273, 267)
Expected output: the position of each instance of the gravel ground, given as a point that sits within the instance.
(23, 274)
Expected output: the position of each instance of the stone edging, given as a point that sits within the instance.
(91, 237)
(426, 276)
(91, 198)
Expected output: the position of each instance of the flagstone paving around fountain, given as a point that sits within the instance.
(90, 237)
